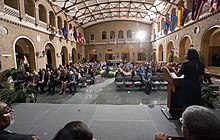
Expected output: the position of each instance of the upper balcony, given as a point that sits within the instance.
(14, 15)
(113, 41)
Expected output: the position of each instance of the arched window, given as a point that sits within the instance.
(112, 35)
(12, 3)
(129, 34)
(104, 35)
(65, 23)
(120, 34)
(162, 24)
(42, 13)
(52, 18)
(92, 37)
(59, 20)
(29, 7)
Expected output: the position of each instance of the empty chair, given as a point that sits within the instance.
(128, 81)
(163, 83)
(119, 81)
(137, 80)
(89, 79)
(155, 80)
(82, 82)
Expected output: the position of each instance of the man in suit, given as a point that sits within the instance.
(6, 119)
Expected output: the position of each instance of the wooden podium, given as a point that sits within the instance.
(173, 110)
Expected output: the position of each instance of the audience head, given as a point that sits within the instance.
(75, 130)
(6, 115)
(200, 123)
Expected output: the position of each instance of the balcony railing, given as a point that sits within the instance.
(11, 11)
(42, 24)
(30, 19)
(121, 40)
(104, 41)
(92, 41)
(112, 41)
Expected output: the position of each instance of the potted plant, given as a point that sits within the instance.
(208, 98)
(18, 94)
(12, 72)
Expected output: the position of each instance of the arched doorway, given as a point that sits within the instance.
(92, 55)
(25, 56)
(64, 55)
(170, 49)
(73, 55)
(210, 47)
(50, 56)
(108, 54)
(184, 45)
(142, 54)
(160, 52)
(125, 55)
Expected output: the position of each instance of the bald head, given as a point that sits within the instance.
(2, 107)
(6, 115)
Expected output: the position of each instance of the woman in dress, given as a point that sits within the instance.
(192, 70)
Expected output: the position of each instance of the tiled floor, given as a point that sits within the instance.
(106, 92)
(111, 114)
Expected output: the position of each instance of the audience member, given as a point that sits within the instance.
(6, 119)
(75, 130)
(197, 123)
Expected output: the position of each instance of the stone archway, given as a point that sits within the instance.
(125, 55)
(24, 53)
(50, 56)
(64, 55)
(184, 45)
(108, 54)
(210, 47)
(170, 48)
(160, 51)
(92, 55)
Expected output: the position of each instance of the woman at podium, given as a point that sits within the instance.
(192, 69)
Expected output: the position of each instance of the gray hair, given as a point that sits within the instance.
(202, 123)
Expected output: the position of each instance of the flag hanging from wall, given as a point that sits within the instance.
(81, 39)
(166, 26)
(213, 5)
(182, 15)
(65, 32)
(75, 33)
(197, 8)
(70, 35)
(173, 22)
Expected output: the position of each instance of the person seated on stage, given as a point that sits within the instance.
(75, 130)
(197, 123)
(6, 119)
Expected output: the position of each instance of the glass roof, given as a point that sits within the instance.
(89, 12)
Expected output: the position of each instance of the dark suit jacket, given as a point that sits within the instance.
(5, 135)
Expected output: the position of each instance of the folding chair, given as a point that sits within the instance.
(119, 81)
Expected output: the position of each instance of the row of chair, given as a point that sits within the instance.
(156, 82)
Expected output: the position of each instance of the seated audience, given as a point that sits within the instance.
(6, 119)
(72, 81)
(197, 123)
(75, 130)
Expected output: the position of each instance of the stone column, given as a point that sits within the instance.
(2, 6)
(48, 20)
(36, 14)
(21, 9)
